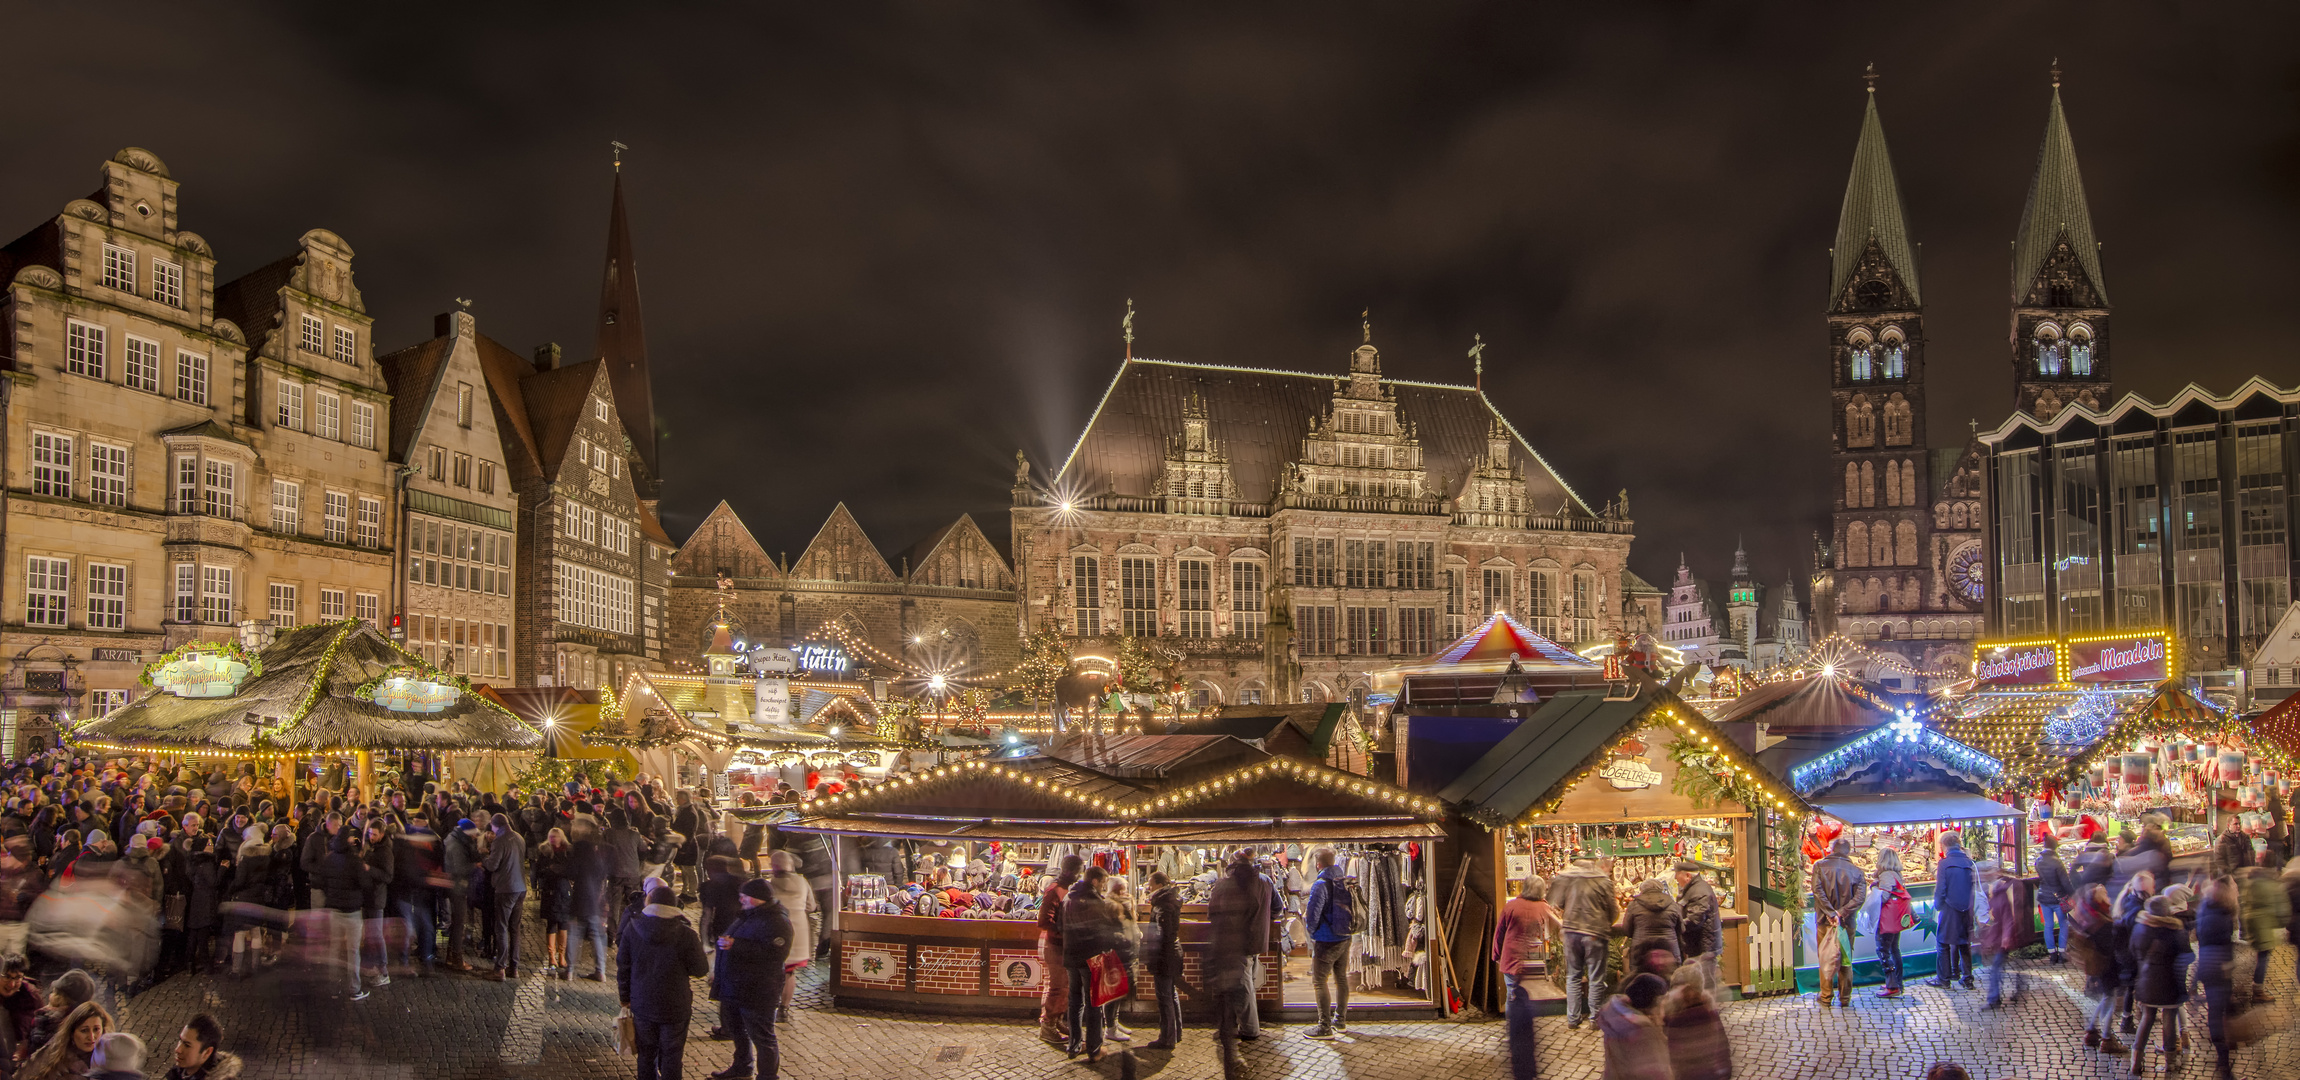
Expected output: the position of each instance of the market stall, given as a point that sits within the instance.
(337, 692)
(1500, 662)
(973, 838)
(1639, 780)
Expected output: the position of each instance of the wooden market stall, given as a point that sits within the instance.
(330, 690)
(1132, 803)
(1636, 777)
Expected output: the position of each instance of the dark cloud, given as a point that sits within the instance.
(883, 245)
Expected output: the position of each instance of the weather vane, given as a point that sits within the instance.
(1871, 76)
(1126, 328)
(1477, 358)
(465, 304)
(619, 148)
(2056, 73)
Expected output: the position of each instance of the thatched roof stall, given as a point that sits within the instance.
(326, 688)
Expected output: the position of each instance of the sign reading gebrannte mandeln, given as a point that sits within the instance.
(2135, 659)
(2017, 665)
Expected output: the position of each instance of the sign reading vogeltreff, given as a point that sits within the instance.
(2133, 659)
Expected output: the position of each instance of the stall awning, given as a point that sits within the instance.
(1212, 832)
(1913, 808)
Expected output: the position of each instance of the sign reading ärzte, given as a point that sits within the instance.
(2018, 665)
(2139, 659)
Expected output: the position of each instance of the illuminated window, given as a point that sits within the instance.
(335, 517)
(1249, 602)
(1138, 596)
(1086, 595)
(1194, 585)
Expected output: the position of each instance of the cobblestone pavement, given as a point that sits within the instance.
(459, 1027)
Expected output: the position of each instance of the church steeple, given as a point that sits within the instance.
(2060, 345)
(1872, 227)
(623, 345)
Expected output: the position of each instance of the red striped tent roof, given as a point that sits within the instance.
(1501, 638)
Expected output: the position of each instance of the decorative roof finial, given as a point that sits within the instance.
(618, 151)
(1366, 323)
(1126, 328)
(1870, 76)
(1477, 358)
(2056, 73)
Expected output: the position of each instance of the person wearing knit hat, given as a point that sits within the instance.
(748, 979)
(655, 962)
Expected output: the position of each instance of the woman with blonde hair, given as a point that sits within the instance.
(798, 898)
(1893, 915)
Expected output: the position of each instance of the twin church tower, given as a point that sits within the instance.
(1904, 567)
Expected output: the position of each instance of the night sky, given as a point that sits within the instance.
(884, 245)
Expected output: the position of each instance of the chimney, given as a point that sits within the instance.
(443, 324)
(547, 356)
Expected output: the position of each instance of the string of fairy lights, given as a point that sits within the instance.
(1143, 805)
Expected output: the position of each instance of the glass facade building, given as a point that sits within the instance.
(2174, 515)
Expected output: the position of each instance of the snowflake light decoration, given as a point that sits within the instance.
(1905, 727)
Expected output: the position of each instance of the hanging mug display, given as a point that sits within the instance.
(2136, 773)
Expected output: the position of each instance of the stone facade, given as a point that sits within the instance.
(456, 594)
(1288, 533)
(950, 606)
(186, 458)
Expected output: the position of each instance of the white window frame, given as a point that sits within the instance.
(107, 485)
(119, 268)
(335, 517)
(52, 463)
(590, 526)
(333, 606)
(367, 528)
(215, 595)
(290, 412)
(286, 600)
(313, 338)
(219, 488)
(191, 377)
(599, 409)
(187, 608)
(140, 364)
(363, 424)
(571, 520)
(368, 606)
(462, 470)
(346, 342)
(287, 507)
(84, 349)
(487, 478)
(187, 484)
(107, 596)
(326, 413)
(47, 591)
(168, 283)
(107, 702)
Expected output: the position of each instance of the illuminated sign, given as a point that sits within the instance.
(2134, 659)
(411, 695)
(201, 675)
(774, 701)
(826, 658)
(2017, 665)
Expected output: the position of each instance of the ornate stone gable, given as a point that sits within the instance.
(1197, 466)
(1361, 446)
(1874, 285)
(722, 544)
(841, 551)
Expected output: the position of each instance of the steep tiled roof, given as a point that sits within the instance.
(1872, 210)
(555, 404)
(506, 371)
(1261, 416)
(652, 527)
(2056, 209)
(252, 300)
(412, 374)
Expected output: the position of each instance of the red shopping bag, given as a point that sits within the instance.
(1108, 975)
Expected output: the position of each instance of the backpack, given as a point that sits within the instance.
(1345, 909)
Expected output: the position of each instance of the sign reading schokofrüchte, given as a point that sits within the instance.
(2033, 663)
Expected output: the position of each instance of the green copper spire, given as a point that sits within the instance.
(2056, 208)
(1872, 208)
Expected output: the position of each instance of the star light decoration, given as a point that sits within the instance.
(1905, 728)
(1904, 734)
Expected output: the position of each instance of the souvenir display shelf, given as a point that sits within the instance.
(1638, 851)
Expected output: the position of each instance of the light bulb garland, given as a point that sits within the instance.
(1903, 736)
(1145, 804)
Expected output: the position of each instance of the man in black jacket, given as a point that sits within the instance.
(687, 821)
(749, 980)
(659, 954)
(506, 866)
(342, 879)
(1703, 936)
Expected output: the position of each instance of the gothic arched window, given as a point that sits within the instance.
(1862, 364)
(1868, 483)
(1895, 364)
(2079, 352)
(1905, 543)
(1898, 421)
(1857, 545)
(1881, 544)
(2051, 359)
(1860, 422)
(1893, 492)
(1852, 484)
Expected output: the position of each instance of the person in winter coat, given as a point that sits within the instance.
(1239, 910)
(2148, 852)
(1953, 902)
(250, 892)
(687, 821)
(797, 896)
(586, 899)
(1839, 889)
(1328, 916)
(1122, 901)
(553, 888)
(2267, 911)
(1526, 927)
(659, 956)
(2093, 866)
(2216, 920)
(416, 876)
(203, 900)
(1054, 1002)
(506, 866)
(1586, 906)
(2093, 918)
(1090, 927)
(1996, 936)
(67, 1056)
(1636, 1045)
(1162, 959)
(65, 995)
(2160, 944)
(2231, 853)
(377, 902)
(199, 1055)
(1698, 1048)
(748, 978)
(342, 878)
(459, 859)
(1894, 913)
(620, 845)
(1704, 934)
(1653, 926)
(2053, 888)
